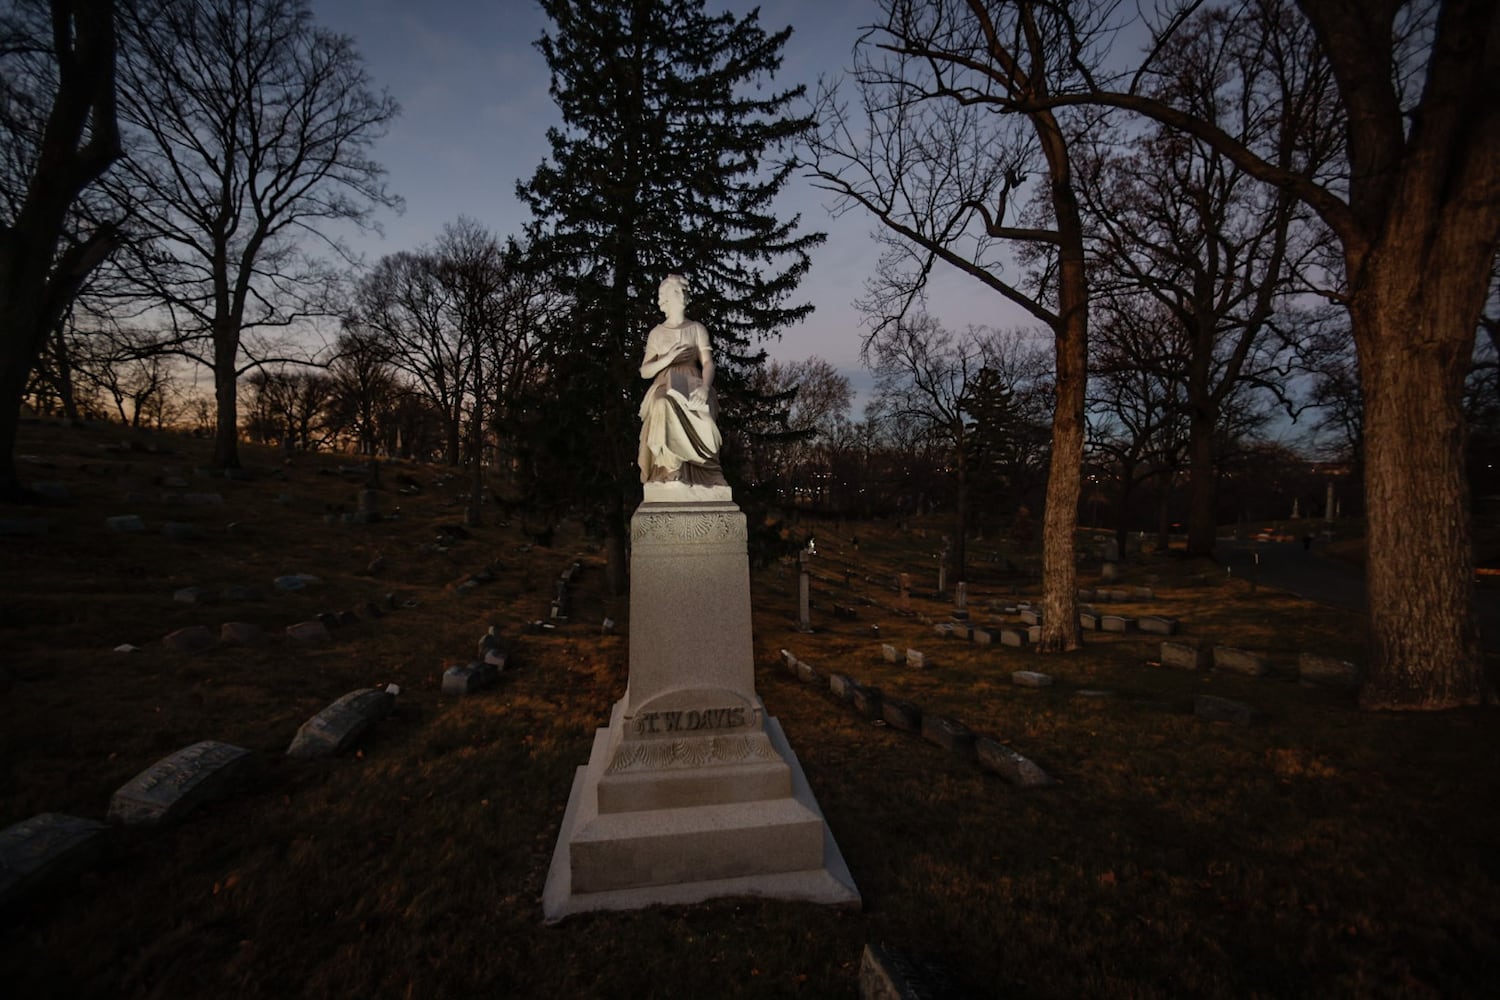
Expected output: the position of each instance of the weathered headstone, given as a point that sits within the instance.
(982, 637)
(332, 730)
(1215, 709)
(1088, 620)
(193, 639)
(944, 629)
(1329, 671)
(309, 631)
(1010, 765)
(916, 659)
(804, 594)
(1186, 655)
(1031, 616)
(890, 653)
(961, 597)
(1013, 637)
(947, 733)
(1031, 679)
(806, 674)
(241, 634)
(1109, 572)
(177, 784)
(1157, 625)
(1116, 623)
(789, 662)
(902, 715)
(842, 686)
(468, 678)
(1240, 661)
(866, 700)
(44, 848)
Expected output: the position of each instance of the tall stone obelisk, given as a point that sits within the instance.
(692, 792)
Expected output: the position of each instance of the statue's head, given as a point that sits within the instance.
(673, 286)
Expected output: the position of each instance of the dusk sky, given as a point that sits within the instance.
(475, 110)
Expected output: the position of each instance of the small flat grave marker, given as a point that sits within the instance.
(1240, 661)
(1157, 625)
(1116, 623)
(1010, 765)
(902, 715)
(311, 631)
(1185, 655)
(332, 730)
(947, 733)
(177, 784)
(193, 639)
(241, 634)
(1327, 671)
(468, 679)
(1031, 679)
(47, 846)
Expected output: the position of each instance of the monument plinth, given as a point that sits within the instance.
(692, 791)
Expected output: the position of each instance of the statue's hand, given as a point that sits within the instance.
(685, 353)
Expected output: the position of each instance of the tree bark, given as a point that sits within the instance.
(1202, 480)
(226, 389)
(1414, 326)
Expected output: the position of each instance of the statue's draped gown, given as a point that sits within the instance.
(679, 438)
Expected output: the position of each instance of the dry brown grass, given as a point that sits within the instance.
(1323, 852)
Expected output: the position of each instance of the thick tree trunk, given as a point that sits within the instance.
(1414, 328)
(1202, 481)
(1065, 481)
(226, 398)
(18, 351)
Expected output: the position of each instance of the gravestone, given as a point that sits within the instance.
(1013, 637)
(981, 637)
(1010, 765)
(1088, 620)
(902, 715)
(1157, 625)
(1109, 572)
(1031, 679)
(961, 597)
(947, 733)
(1116, 623)
(890, 653)
(309, 631)
(866, 700)
(1031, 616)
(332, 730)
(842, 686)
(468, 678)
(789, 662)
(177, 784)
(125, 522)
(193, 639)
(43, 849)
(1240, 661)
(1033, 634)
(241, 634)
(806, 674)
(367, 507)
(916, 659)
(1326, 671)
(903, 587)
(692, 791)
(1186, 655)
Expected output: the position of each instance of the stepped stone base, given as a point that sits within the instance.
(774, 849)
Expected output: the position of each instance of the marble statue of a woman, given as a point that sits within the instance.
(679, 434)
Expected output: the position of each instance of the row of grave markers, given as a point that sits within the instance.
(51, 845)
(950, 734)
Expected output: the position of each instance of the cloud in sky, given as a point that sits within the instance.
(473, 91)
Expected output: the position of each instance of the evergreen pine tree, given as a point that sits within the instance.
(664, 164)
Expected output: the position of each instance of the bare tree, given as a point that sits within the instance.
(58, 135)
(1417, 222)
(947, 176)
(365, 390)
(1173, 220)
(249, 131)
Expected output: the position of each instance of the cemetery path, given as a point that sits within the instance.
(1314, 577)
